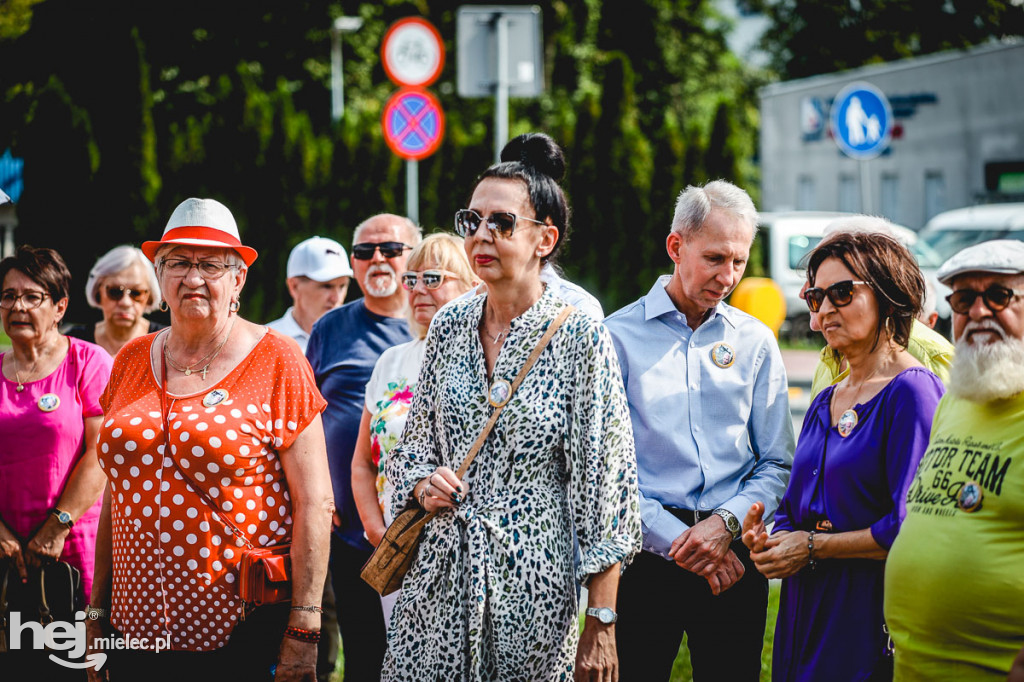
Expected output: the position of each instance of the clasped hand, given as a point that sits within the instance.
(777, 556)
(704, 549)
(440, 490)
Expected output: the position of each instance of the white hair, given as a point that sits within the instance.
(115, 261)
(413, 231)
(695, 204)
(869, 224)
(983, 372)
(928, 301)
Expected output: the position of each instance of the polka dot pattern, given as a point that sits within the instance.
(180, 576)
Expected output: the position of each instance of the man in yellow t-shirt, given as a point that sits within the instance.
(954, 578)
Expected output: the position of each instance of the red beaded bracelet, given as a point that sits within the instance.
(310, 636)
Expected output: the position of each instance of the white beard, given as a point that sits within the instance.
(380, 292)
(983, 372)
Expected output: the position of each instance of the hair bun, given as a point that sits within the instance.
(538, 152)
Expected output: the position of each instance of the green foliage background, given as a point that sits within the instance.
(122, 110)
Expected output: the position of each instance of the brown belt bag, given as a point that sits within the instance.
(390, 561)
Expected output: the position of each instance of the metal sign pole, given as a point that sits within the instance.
(865, 188)
(412, 191)
(501, 93)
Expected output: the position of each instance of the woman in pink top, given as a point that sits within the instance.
(50, 482)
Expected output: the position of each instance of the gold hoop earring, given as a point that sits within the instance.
(888, 327)
(163, 307)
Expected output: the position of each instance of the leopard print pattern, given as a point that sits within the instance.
(491, 594)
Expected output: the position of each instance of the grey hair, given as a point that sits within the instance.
(695, 203)
(869, 224)
(231, 257)
(119, 259)
(415, 232)
(928, 302)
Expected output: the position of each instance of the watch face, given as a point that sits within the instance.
(606, 615)
(64, 518)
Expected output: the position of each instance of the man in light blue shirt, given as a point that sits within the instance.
(708, 398)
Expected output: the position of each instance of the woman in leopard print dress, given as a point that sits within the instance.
(491, 594)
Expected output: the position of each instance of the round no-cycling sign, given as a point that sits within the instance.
(412, 52)
(413, 123)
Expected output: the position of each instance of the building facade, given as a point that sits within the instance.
(957, 138)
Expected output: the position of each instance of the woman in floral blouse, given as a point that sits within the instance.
(491, 593)
(438, 273)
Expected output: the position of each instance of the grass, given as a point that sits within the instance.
(681, 670)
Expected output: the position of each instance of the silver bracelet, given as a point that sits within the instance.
(311, 609)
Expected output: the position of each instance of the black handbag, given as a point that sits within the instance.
(52, 593)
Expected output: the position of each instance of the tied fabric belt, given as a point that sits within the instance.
(689, 516)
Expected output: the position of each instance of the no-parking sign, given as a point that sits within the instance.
(412, 52)
(413, 123)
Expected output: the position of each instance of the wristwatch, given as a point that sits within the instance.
(93, 613)
(732, 524)
(63, 517)
(603, 614)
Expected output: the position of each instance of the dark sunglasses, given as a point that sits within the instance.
(116, 293)
(365, 250)
(840, 294)
(996, 298)
(432, 279)
(468, 221)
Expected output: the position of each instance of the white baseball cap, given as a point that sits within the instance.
(201, 222)
(1001, 256)
(319, 259)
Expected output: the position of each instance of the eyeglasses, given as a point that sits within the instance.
(840, 294)
(32, 299)
(996, 298)
(366, 250)
(118, 292)
(208, 269)
(468, 221)
(432, 279)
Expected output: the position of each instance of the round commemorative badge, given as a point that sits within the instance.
(215, 397)
(723, 355)
(48, 402)
(500, 392)
(969, 499)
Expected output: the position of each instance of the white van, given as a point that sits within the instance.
(952, 231)
(786, 237)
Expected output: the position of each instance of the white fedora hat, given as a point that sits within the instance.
(201, 222)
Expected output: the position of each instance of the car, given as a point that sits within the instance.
(950, 232)
(783, 242)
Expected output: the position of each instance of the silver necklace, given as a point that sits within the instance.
(499, 337)
(210, 357)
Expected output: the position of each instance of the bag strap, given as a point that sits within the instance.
(538, 349)
(235, 530)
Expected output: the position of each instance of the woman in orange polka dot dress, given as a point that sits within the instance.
(242, 416)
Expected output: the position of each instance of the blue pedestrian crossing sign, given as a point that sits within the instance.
(861, 121)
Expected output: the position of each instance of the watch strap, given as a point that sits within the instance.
(732, 524)
(63, 517)
(93, 613)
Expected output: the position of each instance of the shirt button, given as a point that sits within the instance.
(696, 427)
(693, 387)
(814, 473)
(703, 505)
(706, 466)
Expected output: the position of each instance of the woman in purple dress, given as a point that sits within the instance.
(860, 444)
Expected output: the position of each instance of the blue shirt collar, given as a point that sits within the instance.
(657, 303)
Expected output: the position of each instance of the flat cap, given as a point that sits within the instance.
(1002, 256)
